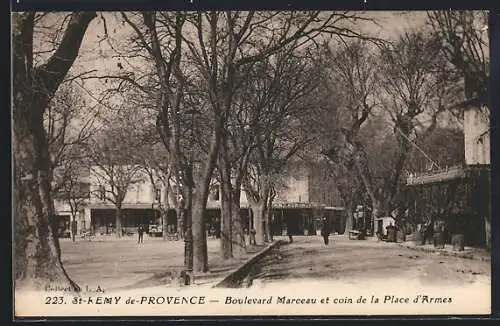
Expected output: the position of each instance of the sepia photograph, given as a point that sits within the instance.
(250, 163)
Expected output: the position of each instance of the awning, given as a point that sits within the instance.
(334, 208)
(124, 206)
(217, 205)
(295, 205)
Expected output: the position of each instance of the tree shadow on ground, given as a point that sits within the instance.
(220, 268)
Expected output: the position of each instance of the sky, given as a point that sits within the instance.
(390, 24)
(96, 54)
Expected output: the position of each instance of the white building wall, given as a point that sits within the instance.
(61, 207)
(296, 190)
(477, 137)
(82, 217)
(140, 191)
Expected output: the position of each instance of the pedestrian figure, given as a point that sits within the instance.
(252, 237)
(325, 230)
(140, 231)
(427, 232)
(289, 230)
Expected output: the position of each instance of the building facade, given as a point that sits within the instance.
(477, 136)
(71, 200)
(461, 195)
(303, 193)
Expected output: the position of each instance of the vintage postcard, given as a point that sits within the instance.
(184, 163)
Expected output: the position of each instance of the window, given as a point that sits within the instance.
(102, 192)
(84, 190)
(158, 195)
(214, 195)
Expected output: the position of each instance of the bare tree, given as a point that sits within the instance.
(74, 190)
(465, 39)
(160, 173)
(115, 167)
(283, 99)
(239, 143)
(159, 35)
(354, 86)
(68, 125)
(416, 86)
(37, 252)
(221, 45)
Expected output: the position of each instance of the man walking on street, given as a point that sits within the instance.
(289, 231)
(140, 231)
(325, 230)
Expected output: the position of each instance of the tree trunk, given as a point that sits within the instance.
(226, 213)
(347, 201)
(226, 200)
(179, 213)
(398, 169)
(200, 255)
(239, 245)
(37, 253)
(270, 215)
(258, 212)
(186, 209)
(250, 218)
(200, 263)
(118, 222)
(487, 231)
(164, 222)
(165, 208)
(73, 227)
(226, 227)
(269, 219)
(349, 218)
(36, 246)
(366, 180)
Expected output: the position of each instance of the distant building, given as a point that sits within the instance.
(459, 195)
(305, 191)
(477, 136)
(70, 202)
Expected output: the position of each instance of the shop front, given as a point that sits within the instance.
(456, 198)
(103, 219)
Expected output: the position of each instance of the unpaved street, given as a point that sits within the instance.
(123, 263)
(357, 261)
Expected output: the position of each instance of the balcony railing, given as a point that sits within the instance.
(435, 176)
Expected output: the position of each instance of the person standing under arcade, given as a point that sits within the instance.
(140, 231)
(326, 230)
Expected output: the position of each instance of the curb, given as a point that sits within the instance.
(235, 277)
(447, 253)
